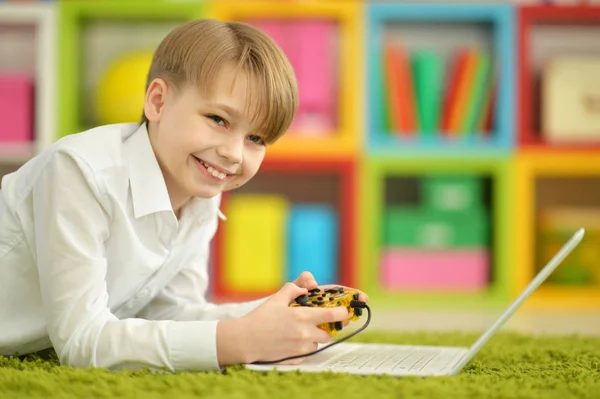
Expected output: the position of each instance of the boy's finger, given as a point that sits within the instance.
(289, 292)
(326, 315)
(306, 280)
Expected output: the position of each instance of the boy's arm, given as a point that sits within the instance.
(184, 298)
(71, 225)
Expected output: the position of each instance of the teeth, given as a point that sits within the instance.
(214, 172)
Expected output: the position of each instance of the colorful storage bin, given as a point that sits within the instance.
(255, 242)
(313, 242)
(16, 108)
(413, 269)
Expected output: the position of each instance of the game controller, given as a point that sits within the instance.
(329, 298)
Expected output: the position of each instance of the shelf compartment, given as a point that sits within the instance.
(307, 182)
(545, 183)
(344, 138)
(94, 36)
(27, 59)
(389, 182)
(546, 32)
(441, 30)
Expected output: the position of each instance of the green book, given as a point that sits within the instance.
(428, 75)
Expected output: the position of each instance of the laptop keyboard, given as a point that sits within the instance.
(398, 359)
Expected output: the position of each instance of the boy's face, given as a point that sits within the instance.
(204, 145)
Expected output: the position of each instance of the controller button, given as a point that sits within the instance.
(358, 311)
(302, 300)
(339, 325)
(355, 296)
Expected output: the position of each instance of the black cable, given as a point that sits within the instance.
(359, 304)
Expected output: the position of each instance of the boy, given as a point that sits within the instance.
(104, 237)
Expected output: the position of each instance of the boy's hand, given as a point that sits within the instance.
(274, 330)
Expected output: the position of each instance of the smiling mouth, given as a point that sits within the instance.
(212, 171)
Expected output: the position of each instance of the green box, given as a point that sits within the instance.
(452, 193)
(424, 228)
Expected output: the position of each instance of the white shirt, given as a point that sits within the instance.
(94, 262)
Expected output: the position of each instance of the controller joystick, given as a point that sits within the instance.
(333, 297)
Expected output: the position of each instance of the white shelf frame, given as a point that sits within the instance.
(43, 16)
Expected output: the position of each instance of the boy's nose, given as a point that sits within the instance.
(232, 150)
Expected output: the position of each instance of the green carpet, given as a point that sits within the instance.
(509, 366)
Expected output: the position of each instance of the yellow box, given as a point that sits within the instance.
(345, 140)
(254, 247)
(530, 166)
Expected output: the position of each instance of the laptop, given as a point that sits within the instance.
(415, 360)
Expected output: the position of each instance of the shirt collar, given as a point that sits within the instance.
(148, 188)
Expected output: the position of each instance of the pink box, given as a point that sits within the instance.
(16, 108)
(449, 270)
(316, 74)
(308, 44)
(285, 35)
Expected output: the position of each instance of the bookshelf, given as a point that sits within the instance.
(471, 247)
(360, 165)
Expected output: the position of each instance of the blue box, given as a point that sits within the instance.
(313, 242)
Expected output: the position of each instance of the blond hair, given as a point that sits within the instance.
(195, 53)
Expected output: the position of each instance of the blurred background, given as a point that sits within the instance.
(441, 155)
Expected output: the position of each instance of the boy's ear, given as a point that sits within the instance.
(155, 100)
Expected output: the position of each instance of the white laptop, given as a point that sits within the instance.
(405, 360)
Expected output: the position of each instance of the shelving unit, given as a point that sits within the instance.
(345, 139)
(92, 35)
(398, 271)
(307, 181)
(360, 166)
(30, 29)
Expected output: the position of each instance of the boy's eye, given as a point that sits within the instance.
(256, 139)
(217, 119)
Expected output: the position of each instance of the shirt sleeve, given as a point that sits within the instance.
(72, 222)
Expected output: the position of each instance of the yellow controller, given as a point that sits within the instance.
(330, 298)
